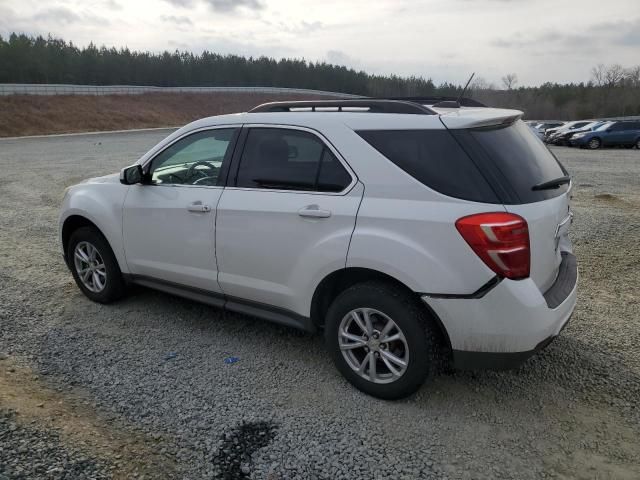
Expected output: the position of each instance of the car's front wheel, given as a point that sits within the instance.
(381, 339)
(594, 143)
(94, 266)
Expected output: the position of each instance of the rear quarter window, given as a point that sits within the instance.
(434, 158)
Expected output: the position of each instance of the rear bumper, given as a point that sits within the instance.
(510, 323)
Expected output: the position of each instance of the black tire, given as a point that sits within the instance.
(594, 144)
(114, 287)
(638, 144)
(421, 334)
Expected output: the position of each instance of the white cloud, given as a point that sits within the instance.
(545, 40)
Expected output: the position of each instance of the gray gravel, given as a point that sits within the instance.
(29, 453)
(155, 363)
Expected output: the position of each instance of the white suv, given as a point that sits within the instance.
(406, 230)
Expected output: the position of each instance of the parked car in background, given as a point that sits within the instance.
(611, 134)
(562, 137)
(567, 126)
(536, 132)
(541, 127)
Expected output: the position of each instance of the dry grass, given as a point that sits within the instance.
(40, 115)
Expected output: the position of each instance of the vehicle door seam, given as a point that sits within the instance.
(355, 222)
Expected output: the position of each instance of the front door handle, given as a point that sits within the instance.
(314, 211)
(198, 207)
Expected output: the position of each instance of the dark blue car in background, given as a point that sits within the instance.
(611, 134)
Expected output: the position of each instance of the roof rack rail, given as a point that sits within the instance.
(432, 101)
(372, 105)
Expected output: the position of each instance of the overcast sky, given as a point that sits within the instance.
(539, 40)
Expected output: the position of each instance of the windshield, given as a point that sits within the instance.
(604, 126)
(569, 126)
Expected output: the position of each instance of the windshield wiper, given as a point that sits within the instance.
(552, 183)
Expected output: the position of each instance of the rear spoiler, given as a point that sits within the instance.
(489, 117)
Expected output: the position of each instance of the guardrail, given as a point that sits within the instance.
(62, 89)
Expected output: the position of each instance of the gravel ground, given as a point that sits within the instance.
(152, 367)
(28, 452)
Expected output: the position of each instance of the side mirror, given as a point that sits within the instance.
(131, 175)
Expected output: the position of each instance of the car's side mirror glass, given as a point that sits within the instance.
(131, 175)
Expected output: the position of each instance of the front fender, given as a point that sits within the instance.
(101, 204)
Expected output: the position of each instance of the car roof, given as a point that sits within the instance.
(324, 121)
(462, 117)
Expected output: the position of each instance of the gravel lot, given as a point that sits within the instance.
(140, 389)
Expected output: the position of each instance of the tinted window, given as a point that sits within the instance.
(288, 159)
(514, 160)
(618, 127)
(193, 160)
(434, 158)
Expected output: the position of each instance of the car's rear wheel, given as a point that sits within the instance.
(381, 339)
(94, 266)
(594, 144)
(638, 144)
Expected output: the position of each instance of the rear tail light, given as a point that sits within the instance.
(501, 240)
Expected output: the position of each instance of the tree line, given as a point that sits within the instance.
(612, 91)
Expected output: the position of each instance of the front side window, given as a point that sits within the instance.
(193, 160)
(286, 159)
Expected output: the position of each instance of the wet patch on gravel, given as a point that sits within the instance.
(233, 460)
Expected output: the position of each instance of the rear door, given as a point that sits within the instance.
(514, 163)
(285, 219)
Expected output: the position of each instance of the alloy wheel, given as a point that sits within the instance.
(90, 267)
(373, 345)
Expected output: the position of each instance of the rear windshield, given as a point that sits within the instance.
(489, 165)
(514, 160)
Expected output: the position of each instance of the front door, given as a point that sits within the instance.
(616, 134)
(169, 222)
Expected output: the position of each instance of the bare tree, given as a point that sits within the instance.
(632, 76)
(479, 83)
(510, 80)
(598, 75)
(614, 75)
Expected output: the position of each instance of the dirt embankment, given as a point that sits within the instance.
(41, 115)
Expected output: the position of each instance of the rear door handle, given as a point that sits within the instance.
(314, 211)
(198, 207)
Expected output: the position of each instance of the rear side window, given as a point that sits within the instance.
(514, 160)
(434, 158)
(287, 159)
